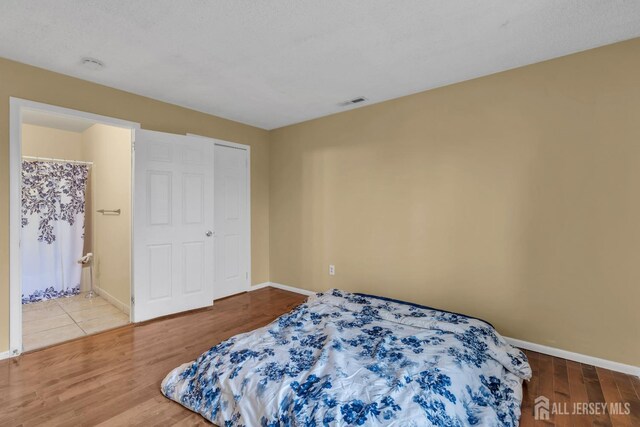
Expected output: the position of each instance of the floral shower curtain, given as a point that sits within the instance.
(53, 206)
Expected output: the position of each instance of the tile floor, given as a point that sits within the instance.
(61, 319)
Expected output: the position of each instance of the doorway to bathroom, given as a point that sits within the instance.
(111, 224)
(74, 222)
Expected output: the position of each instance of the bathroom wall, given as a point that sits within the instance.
(49, 142)
(109, 148)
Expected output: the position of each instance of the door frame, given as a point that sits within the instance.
(16, 105)
(247, 225)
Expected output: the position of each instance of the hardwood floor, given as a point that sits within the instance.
(566, 382)
(113, 378)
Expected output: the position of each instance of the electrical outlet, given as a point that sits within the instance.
(332, 270)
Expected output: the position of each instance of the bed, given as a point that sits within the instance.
(351, 359)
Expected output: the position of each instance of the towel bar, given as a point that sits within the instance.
(109, 211)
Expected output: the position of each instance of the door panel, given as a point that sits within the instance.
(160, 273)
(192, 198)
(159, 200)
(193, 254)
(232, 221)
(174, 197)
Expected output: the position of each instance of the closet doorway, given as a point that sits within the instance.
(233, 230)
(72, 222)
(232, 237)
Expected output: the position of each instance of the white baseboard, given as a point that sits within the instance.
(5, 355)
(551, 351)
(283, 287)
(113, 300)
(576, 357)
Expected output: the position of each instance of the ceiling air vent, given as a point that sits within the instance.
(353, 101)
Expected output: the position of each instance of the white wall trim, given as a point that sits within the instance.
(5, 355)
(576, 357)
(16, 105)
(283, 287)
(15, 188)
(113, 300)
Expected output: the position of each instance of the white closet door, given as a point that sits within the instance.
(173, 224)
(232, 221)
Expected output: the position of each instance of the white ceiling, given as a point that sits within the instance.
(278, 62)
(56, 121)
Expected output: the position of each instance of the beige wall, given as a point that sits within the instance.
(42, 141)
(109, 148)
(23, 81)
(514, 197)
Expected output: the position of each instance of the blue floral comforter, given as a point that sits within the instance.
(347, 359)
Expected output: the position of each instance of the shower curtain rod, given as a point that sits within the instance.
(49, 159)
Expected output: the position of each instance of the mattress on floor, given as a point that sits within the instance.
(350, 359)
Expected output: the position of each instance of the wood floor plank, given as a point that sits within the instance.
(612, 397)
(545, 380)
(628, 395)
(636, 385)
(113, 378)
(594, 391)
(529, 391)
(578, 393)
(561, 391)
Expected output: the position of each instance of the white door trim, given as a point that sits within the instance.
(16, 105)
(247, 225)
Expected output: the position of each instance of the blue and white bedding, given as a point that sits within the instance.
(347, 359)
